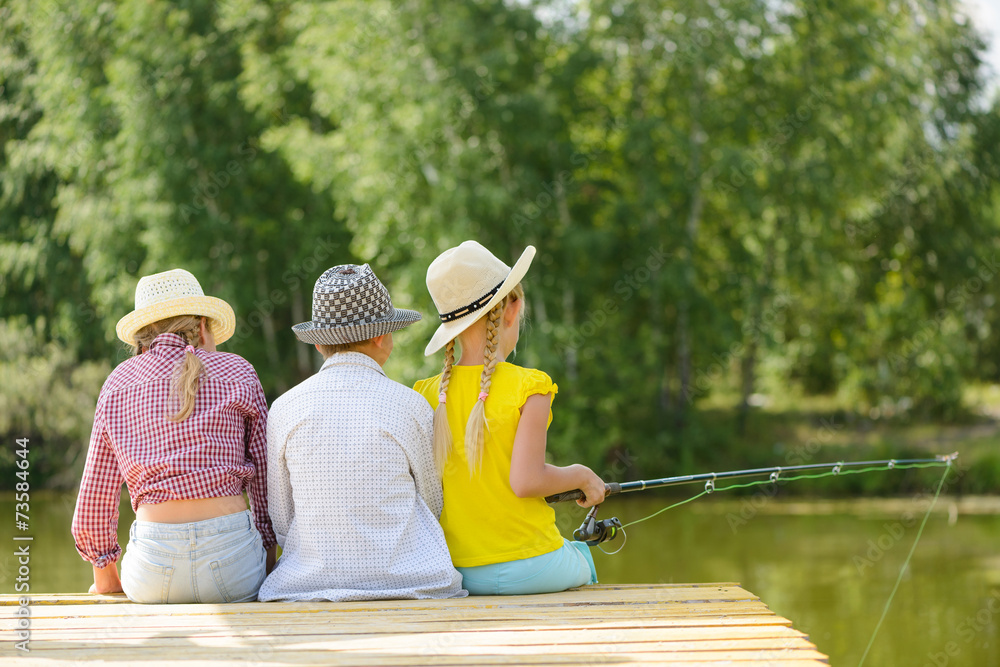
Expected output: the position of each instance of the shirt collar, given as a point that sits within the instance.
(352, 358)
(168, 340)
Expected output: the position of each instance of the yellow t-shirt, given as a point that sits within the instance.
(483, 521)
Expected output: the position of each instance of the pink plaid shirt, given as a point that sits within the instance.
(219, 450)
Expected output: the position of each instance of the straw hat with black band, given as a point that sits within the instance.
(172, 293)
(465, 283)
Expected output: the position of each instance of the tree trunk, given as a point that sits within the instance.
(684, 351)
(302, 355)
(748, 371)
(575, 337)
(267, 324)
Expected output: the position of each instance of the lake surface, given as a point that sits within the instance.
(828, 568)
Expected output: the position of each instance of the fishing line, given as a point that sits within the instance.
(632, 523)
(906, 564)
(775, 478)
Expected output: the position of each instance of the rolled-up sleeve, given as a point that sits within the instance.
(256, 451)
(95, 520)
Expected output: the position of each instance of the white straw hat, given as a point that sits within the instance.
(174, 293)
(465, 283)
(350, 304)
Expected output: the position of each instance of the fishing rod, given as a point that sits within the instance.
(593, 532)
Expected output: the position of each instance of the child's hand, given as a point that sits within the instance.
(592, 487)
(106, 580)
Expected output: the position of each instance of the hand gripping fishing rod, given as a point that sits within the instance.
(593, 532)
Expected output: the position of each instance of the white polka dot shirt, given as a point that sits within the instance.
(352, 490)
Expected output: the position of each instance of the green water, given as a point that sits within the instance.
(829, 573)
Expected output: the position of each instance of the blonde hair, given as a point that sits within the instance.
(187, 375)
(475, 428)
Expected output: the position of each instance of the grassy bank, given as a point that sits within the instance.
(792, 430)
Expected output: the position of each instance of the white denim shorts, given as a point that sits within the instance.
(216, 560)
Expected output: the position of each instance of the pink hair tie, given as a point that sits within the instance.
(442, 397)
(483, 395)
(189, 348)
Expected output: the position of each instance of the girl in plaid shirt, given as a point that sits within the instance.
(183, 426)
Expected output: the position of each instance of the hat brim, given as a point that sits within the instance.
(222, 319)
(449, 330)
(310, 332)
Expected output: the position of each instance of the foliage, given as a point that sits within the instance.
(726, 196)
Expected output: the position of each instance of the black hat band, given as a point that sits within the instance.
(472, 307)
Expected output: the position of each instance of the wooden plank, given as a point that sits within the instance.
(469, 636)
(699, 611)
(631, 600)
(170, 657)
(294, 624)
(650, 624)
(589, 595)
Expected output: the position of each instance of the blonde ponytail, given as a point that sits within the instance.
(475, 429)
(187, 374)
(187, 379)
(442, 430)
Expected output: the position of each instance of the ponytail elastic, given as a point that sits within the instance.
(483, 395)
(189, 348)
(442, 397)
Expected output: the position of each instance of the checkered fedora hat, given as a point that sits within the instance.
(351, 305)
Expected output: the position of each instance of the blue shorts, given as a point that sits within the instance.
(568, 566)
(216, 560)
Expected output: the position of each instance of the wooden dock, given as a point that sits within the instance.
(689, 624)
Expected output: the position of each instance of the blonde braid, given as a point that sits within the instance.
(187, 376)
(442, 431)
(475, 429)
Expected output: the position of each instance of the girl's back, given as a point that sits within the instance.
(490, 426)
(483, 520)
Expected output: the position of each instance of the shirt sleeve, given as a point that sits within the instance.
(95, 520)
(423, 387)
(256, 451)
(279, 482)
(420, 453)
(538, 382)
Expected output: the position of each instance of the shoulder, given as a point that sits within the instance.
(525, 376)
(523, 382)
(234, 367)
(124, 374)
(409, 399)
(291, 398)
(428, 387)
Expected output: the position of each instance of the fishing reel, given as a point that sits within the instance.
(593, 532)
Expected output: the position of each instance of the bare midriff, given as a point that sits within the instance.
(186, 511)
